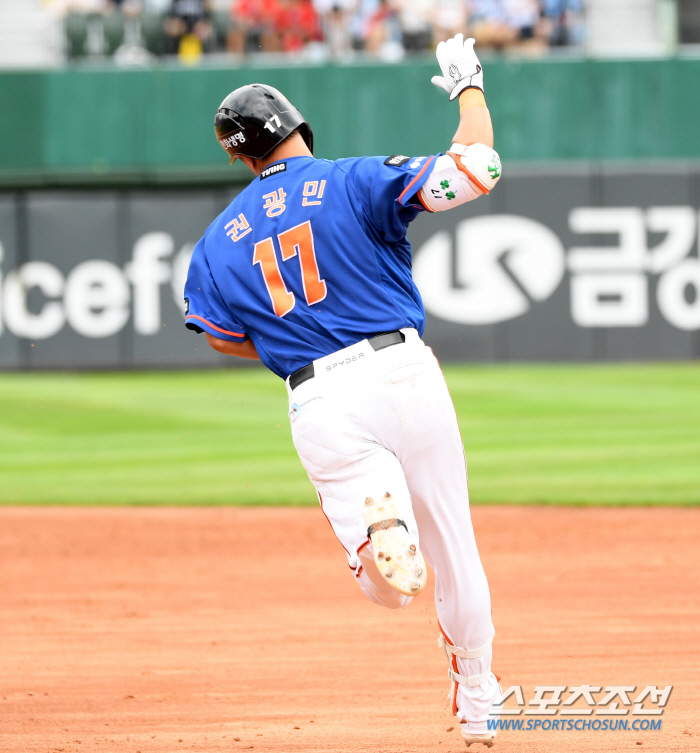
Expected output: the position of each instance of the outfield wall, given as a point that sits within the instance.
(563, 263)
(87, 126)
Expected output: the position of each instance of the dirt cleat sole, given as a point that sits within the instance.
(471, 739)
(395, 554)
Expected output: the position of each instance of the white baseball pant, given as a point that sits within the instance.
(375, 422)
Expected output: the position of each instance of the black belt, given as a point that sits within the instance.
(378, 342)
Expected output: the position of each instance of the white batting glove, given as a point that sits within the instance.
(460, 66)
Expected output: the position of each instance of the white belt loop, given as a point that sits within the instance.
(411, 335)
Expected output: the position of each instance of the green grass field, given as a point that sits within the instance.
(608, 434)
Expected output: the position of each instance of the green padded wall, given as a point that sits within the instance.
(91, 124)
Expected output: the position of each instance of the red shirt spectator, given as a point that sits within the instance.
(297, 24)
(255, 14)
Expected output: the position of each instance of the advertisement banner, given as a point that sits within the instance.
(564, 266)
(555, 265)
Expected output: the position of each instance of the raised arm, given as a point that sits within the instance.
(474, 119)
(471, 167)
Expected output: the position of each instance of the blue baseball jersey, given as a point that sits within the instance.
(309, 258)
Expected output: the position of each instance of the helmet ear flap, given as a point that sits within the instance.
(308, 135)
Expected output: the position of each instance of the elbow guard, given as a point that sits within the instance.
(453, 183)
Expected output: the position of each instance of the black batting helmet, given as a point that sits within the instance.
(254, 119)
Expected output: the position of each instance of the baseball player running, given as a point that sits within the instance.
(309, 270)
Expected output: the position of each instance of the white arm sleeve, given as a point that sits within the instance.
(450, 184)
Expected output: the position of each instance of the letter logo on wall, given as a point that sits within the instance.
(610, 284)
(502, 263)
(95, 297)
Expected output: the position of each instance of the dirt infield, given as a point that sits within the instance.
(238, 629)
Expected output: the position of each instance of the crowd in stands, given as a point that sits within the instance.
(387, 29)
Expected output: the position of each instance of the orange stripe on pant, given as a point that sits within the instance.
(453, 662)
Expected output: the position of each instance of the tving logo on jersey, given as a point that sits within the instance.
(502, 265)
(96, 297)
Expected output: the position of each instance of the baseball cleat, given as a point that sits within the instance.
(470, 739)
(396, 556)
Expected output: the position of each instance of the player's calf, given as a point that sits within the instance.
(395, 553)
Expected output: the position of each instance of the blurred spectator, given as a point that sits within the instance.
(562, 22)
(381, 32)
(416, 19)
(272, 26)
(522, 17)
(253, 27)
(386, 29)
(507, 24)
(187, 27)
(364, 10)
(297, 24)
(487, 24)
(449, 18)
(336, 26)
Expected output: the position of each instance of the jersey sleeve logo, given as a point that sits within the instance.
(280, 167)
(396, 160)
